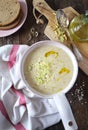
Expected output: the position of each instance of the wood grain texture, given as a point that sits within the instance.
(78, 95)
(49, 31)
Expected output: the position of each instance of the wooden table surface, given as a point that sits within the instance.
(78, 95)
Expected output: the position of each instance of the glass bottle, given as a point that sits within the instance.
(78, 28)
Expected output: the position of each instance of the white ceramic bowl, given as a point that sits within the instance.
(59, 98)
(57, 44)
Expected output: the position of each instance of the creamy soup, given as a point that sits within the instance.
(48, 69)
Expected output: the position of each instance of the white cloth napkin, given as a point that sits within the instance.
(19, 109)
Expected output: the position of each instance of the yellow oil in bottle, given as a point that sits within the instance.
(78, 28)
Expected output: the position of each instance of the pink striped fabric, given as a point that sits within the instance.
(12, 57)
(22, 97)
(19, 126)
(11, 63)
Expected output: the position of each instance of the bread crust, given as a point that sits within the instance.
(13, 24)
(9, 11)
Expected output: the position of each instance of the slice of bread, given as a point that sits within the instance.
(9, 11)
(13, 24)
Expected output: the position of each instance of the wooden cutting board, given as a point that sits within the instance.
(42, 7)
